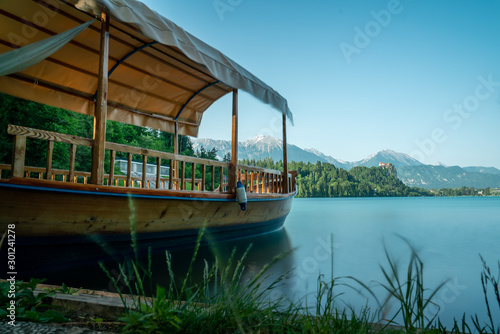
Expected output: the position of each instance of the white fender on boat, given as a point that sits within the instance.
(241, 195)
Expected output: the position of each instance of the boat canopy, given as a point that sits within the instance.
(159, 74)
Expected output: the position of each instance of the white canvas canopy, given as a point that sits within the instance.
(158, 73)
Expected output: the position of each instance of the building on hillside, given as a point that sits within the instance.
(136, 169)
(390, 167)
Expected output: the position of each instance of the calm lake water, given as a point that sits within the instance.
(449, 234)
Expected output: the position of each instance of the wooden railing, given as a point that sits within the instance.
(84, 177)
(175, 161)
(213, 173)
(263, 180)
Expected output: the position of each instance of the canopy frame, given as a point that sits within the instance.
(125, 58)
(200, 74)
(192, 97)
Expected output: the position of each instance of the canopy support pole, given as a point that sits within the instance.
(176, 151)
(233, 166)
(100, 115)
(285, 158)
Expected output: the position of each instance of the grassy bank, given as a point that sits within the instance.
(224, 300)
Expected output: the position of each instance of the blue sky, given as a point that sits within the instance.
(416, 76)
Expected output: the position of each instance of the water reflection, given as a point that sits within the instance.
(87, 273)
(263, 249)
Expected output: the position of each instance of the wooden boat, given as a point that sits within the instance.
(118, 60)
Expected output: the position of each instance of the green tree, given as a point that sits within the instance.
(35, 115)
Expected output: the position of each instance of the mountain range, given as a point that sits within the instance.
(411, 171)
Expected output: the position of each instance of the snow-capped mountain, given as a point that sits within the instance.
(436, 177)
(265, 146)
(388, 156)
(222, 146)
(336, 162)
(261, 146)
(487, 170)
(411, 171)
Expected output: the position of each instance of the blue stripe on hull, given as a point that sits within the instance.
(131, 195)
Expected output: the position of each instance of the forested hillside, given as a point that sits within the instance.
(326, 180)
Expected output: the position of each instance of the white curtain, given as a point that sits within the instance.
(20, 59)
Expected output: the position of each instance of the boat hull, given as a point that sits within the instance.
(60, 225)
(48, 213)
